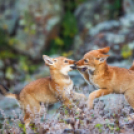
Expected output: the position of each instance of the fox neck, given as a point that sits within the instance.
(102, 68)
(58, 77)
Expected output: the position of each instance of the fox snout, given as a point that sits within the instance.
(79, 63)
(73, 66)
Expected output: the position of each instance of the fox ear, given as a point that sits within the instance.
(48, 60)
(104, 58)
(104, 50)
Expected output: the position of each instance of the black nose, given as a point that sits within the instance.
(73, 66)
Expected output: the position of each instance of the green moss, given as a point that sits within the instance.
(126, 52)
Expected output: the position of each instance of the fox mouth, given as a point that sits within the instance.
(73, 67)
(83, 69)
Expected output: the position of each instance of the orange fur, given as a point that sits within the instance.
(107, 79)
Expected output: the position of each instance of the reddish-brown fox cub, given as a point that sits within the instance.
(47, 90)
(107, 79)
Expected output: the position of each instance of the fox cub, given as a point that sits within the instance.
(58, 86)
(107, 79)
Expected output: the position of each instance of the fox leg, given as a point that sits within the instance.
(129, 95)
(97, 94)
(33, 104)
(27, 119)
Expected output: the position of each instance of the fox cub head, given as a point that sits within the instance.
(61, 64)
(93, 59)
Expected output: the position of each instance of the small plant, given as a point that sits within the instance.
(99, 126)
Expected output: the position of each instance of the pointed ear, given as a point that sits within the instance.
(104, 58)
(48, 60)
(104, 50)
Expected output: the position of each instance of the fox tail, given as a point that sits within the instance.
(5, 92)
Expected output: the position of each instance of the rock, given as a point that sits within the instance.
(89, 13)
(106, 25)
(128, 6)
(96, 31)
(33, 38)
(32, 23)
(8, 15)
(118, 34)
(8, 108)
(113, 102)
(1, 64)
(127, 20)
(124, 64)
(77, 78)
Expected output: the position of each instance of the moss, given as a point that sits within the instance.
(126, 52)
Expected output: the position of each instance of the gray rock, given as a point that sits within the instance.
(94, 34)
(89, 13)
(1, 74)
(113, 102)
(9, 15)
(1, 64)
(106, 25)
(127, 20)
(34, 24)
(115, 38)
(128, 6)
(124, 64)
(8, 105)
(116, 34)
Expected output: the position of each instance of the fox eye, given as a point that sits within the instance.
(97, 58)
(86, 61)
(55, 60)
(66, 61)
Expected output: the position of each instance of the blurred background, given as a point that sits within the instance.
(69, 28)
